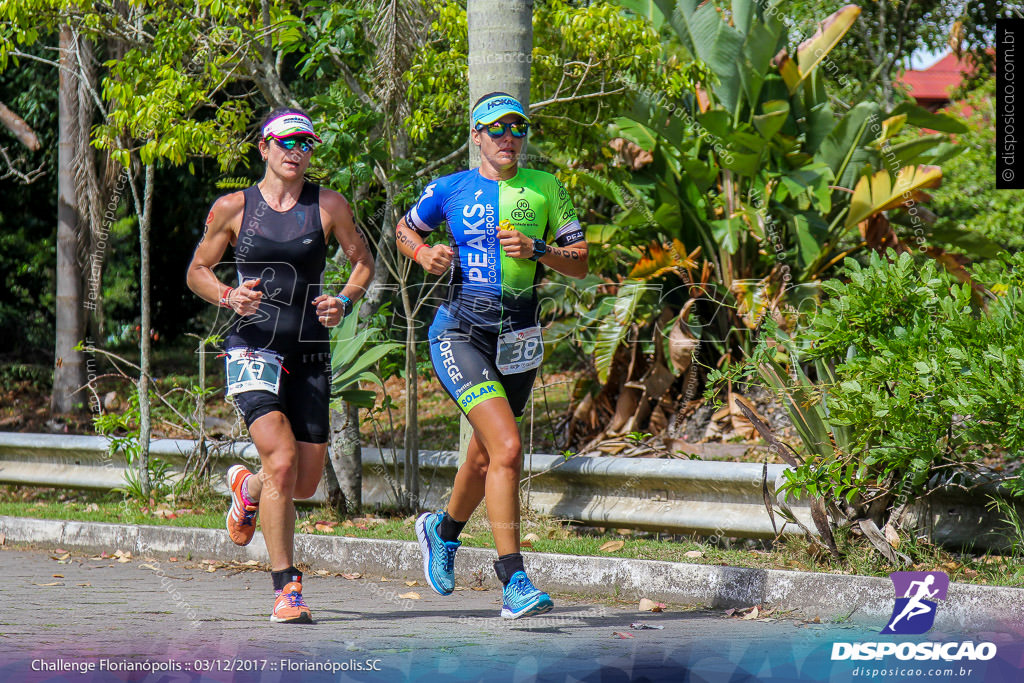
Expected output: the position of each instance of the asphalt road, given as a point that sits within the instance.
(72, 617)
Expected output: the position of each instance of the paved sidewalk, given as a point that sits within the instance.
(831, 596)
(149, 612)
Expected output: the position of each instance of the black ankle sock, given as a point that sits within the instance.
(285, 576)
(449, 529)
(507, 565)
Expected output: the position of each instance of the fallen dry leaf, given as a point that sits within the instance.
(3, 539)
(526, 544)
(729, 612)
(531, 538)
(651, 606)
(613, 546)
(59, 551)
(891, 536)
(467, 535)
(412, 583)
(384, 579)
(411, 595)
(352, 577)
(53, 583)
(693, 554)
(211, 569)
(322, 572)
(477, 588)
(83, 584)
(149, 566)
(251, 563)
(172, 559)
(57, 576)
(320, 526)
(752, 614)
(623, 635)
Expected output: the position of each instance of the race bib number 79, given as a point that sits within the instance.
(519, 351)
(253, 370)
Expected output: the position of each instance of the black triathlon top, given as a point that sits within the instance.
(287, 251)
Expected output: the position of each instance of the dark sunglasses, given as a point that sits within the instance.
(305, 145)
(519, 129)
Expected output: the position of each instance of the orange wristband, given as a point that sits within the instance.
(417, 251)
(224, 297)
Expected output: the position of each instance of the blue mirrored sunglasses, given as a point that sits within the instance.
(519, 129)
(305, 144)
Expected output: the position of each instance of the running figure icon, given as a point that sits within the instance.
(916, 604)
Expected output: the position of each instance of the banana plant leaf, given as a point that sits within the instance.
(812, 51)
(614, 327)
(877, 192)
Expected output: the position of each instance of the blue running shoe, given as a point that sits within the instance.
(522, 599)
(438, 555)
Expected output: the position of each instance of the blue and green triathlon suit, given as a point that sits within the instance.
(491, 296)
(287, 251)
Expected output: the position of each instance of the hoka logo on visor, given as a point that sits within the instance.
(503, 101)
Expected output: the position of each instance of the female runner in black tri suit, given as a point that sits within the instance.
(278, 360)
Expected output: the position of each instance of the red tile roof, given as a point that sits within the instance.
(937, 81)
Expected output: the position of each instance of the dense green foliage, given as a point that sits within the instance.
(916, 386)
(968, 198)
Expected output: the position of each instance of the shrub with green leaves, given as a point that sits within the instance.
(917, 384)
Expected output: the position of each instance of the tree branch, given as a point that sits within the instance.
(352, 82)
(574, 98)
(17, 125)
(443, 160)
(12, 170)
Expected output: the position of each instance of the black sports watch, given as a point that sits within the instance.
(540, 247)
(346, 305)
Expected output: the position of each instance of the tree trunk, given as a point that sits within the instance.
(69, 365)
(500, 46)
(145, 425)
(411, 487)
(345, 479)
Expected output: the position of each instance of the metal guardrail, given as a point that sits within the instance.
(676, 496)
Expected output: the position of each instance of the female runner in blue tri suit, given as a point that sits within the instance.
(485, 342)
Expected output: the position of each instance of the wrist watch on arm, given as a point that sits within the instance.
(346, 305)
(540, 247)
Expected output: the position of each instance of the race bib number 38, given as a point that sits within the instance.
(253, 370)
(520, 351)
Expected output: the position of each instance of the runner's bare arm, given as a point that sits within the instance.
(569, 260)
(337, 213)
(435, 260)
(222, 223)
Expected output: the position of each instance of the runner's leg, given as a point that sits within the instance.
(311, 458)
(274, 485)
(470, 481)
(495, 428)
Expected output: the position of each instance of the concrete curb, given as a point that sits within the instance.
(860, 599)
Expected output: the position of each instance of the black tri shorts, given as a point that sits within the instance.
(463, 359)
(303, 397)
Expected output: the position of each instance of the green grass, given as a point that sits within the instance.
(793, 553)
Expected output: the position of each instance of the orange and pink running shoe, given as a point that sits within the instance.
(290, 608)
(241, 519)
